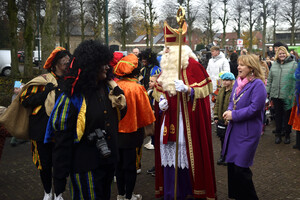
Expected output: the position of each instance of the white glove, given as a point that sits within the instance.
(59, 197)
(180, 86)
(163, 103)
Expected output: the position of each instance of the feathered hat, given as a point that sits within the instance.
(126, 65)
(49, 60)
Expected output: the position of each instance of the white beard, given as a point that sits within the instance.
(169, 64)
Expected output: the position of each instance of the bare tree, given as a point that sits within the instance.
(209, 19)
(168, 11)
(191, 16)
(62, 22)
(251, 18)
(29, 35)
(49, 28)
(224, 19)
(237, 13)
(275, 16)
(121, 10)
(152, 19)
(82, 16)
(265, 14)
(12, 12)
(146, 18)
(291, 14)
(97, 11)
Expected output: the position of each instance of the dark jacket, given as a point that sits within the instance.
(221, 103)
(233, 67)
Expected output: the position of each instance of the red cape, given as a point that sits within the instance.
(197, 130)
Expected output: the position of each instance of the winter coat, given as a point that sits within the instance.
(221, 103)
(215, 66)
(243, 131)
(276, 79)
(233, 68)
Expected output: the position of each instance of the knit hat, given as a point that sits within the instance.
(52, 56)
(126, 65)
(227, 76)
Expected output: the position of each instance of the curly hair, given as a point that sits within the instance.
(89, 56)
(57, 57)
(149, 56)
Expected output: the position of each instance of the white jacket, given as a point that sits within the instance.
(215, 66)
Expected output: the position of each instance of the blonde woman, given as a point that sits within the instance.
(245, 116)
(282, 68)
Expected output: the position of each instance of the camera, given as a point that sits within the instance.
(98, 138)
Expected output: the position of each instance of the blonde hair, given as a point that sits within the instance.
(281, 48)
(214, 48)
(252, 61)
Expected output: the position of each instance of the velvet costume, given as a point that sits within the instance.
(197, 132)
(70, 123)
(131, 132)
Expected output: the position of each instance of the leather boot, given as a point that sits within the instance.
(287, 139)
(278, 139)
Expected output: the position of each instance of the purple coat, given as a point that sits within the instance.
(244, 130)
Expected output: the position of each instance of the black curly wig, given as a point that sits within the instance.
(57, 57)
(89, 56)
(149, 56)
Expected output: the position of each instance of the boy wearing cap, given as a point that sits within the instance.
(222, 101)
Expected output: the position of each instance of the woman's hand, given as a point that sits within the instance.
(227, 115)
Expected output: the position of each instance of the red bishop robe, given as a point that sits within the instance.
(197, 132)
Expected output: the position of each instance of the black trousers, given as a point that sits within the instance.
(240, 184)
(95, 184)
(42, 156)
(126, 172)
(282, 116)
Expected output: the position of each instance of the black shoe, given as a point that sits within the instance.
(295, 146)
(220, 161)
(153, 174)
(278, 140)
(151, 171)
(274, 131)
(287, 140)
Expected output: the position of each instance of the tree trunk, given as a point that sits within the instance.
(49, 29)
(62, 29)
(264, 29)
(13, 24)
(29, 36)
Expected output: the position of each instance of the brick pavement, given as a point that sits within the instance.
(276, 172)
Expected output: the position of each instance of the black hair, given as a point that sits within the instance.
(149, 56)
(59, 55)
(89, 56)
(278, 44)
(234, 57)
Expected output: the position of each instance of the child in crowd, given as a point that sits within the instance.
(221, 106)
(150, 144)
(17, 88)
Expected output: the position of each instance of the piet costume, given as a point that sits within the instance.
(196, 175)
(131, 127)
(84, 125)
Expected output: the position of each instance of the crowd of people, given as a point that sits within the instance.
(89, 115)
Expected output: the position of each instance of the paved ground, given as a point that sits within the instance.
(276, 172)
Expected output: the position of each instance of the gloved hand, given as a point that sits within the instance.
(59, 197)
(163, 103)
(180, 86)
(49, 87)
